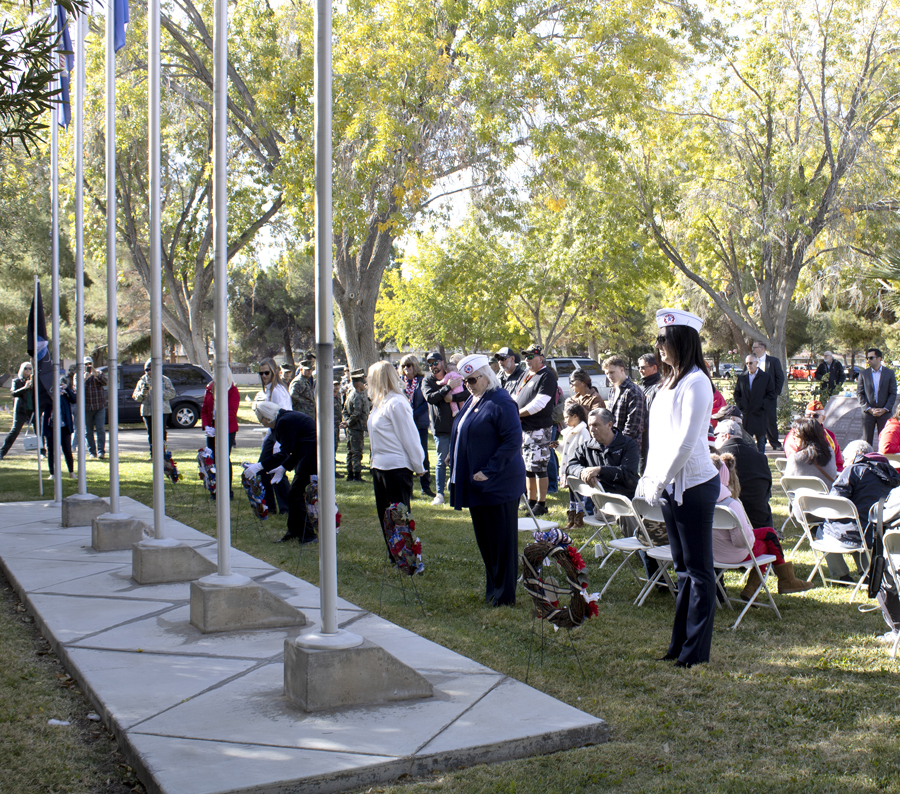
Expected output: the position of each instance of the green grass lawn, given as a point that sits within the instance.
(806, 704)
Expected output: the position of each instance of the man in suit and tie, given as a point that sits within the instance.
(754, 394)
(772, 367)
(877, 392)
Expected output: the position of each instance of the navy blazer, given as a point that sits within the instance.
(490, 442)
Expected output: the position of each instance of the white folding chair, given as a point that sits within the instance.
(613, 507)
(780, 464)
(601, 549)
(813, 509)
(532, 523)
(790, 486)
(894, 459)
(661, 553)
(726, 519)
(892, 558)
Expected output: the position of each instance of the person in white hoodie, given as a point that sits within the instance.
(575, 433)
(681, 477)
(395, 449)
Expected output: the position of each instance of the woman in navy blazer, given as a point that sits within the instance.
(487, 474)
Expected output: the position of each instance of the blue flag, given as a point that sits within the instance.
(36, 317)
(120, 20)
(66, 64)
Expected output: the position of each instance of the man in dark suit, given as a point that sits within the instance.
(754, 394)
(876, 390)
(753, 473)
(772, 367)
(830, 374)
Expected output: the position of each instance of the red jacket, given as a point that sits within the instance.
(208, 412)
(889, 440)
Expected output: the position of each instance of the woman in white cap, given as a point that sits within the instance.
(395, 450)
(487, 474)
(681, 477)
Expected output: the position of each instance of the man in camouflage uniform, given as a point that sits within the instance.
(356, 414)
(338, 411)
(303, 398)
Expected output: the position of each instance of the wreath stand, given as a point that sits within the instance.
(389, 567)
(545, 592)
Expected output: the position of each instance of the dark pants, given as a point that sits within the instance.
(19, 421)
(425, 479)
(95, 430)
(761, 442)
(65, 441)
(871, 422)
(297, 514)
(391, 485)
(280, 491)
(690, 536)
(211, 443)
(148, 423)
(772, 429)
(496, 533)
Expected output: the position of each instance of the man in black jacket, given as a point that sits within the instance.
(610, 459)
(773, 368)
(439, 398)
(754, 394)
(830, 374)
(753, 473)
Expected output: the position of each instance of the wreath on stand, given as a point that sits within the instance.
(545, 592)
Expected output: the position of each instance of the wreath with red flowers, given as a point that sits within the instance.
(546, 592)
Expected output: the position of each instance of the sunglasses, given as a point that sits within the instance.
(434, 364)
(265, 372)
(502, 358)
(661, 340)
(472, 381)
(871, 358)
(530, 356)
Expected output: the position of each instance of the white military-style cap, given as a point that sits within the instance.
(668, 317)
(469, 364)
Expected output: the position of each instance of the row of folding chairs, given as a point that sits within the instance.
(613, 510)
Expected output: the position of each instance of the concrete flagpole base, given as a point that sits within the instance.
(155, 561)
(330, 671)
(117, 531)
(79, 510)
(231, 603)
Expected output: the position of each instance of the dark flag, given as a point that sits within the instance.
(120, 20)
(66, 64)
(44, 366)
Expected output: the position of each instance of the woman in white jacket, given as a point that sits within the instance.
(682, 478)
(395, 449)
(575, 433)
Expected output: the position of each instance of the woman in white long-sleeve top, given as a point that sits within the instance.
(682, 478)
(395, 449)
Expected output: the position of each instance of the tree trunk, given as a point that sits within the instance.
(287, 339)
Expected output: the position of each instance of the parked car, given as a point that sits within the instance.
(802, 371)
(190, 387)
(566, 366)
(728, 370)
(851, 373)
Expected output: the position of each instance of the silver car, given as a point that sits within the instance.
(566, 366)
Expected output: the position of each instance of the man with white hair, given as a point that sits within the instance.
(830, 374)
(753, 472)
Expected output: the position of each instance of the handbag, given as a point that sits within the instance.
(30, 442)
(876, 563)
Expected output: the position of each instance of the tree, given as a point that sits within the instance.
(776, 167)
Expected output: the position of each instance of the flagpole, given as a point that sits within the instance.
(220, 236)
(112, 334)
(156, 331)
(36, 380)
(80, 20)
(54, 259)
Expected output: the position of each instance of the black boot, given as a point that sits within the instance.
(287, 537)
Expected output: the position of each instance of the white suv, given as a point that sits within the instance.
(566, 366)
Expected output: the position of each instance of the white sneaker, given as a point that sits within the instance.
(438, 500)
(887, 639)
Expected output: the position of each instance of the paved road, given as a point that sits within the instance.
(134, 442)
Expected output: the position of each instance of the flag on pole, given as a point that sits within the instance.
(120, 20)
(37, 308)
(66, 64)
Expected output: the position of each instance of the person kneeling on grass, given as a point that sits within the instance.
(295, 437)
(728, 547)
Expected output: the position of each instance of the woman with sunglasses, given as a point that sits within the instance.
(682, 479)
(273, 391)
(487, 475)
(22, 389)
(395, 451)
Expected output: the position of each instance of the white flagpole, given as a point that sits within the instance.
(54, 265)
(112, 335)
(156, 331)
(80, 23)
(36, 381)
(220, 236)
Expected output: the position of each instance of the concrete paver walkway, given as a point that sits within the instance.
(206, 714)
